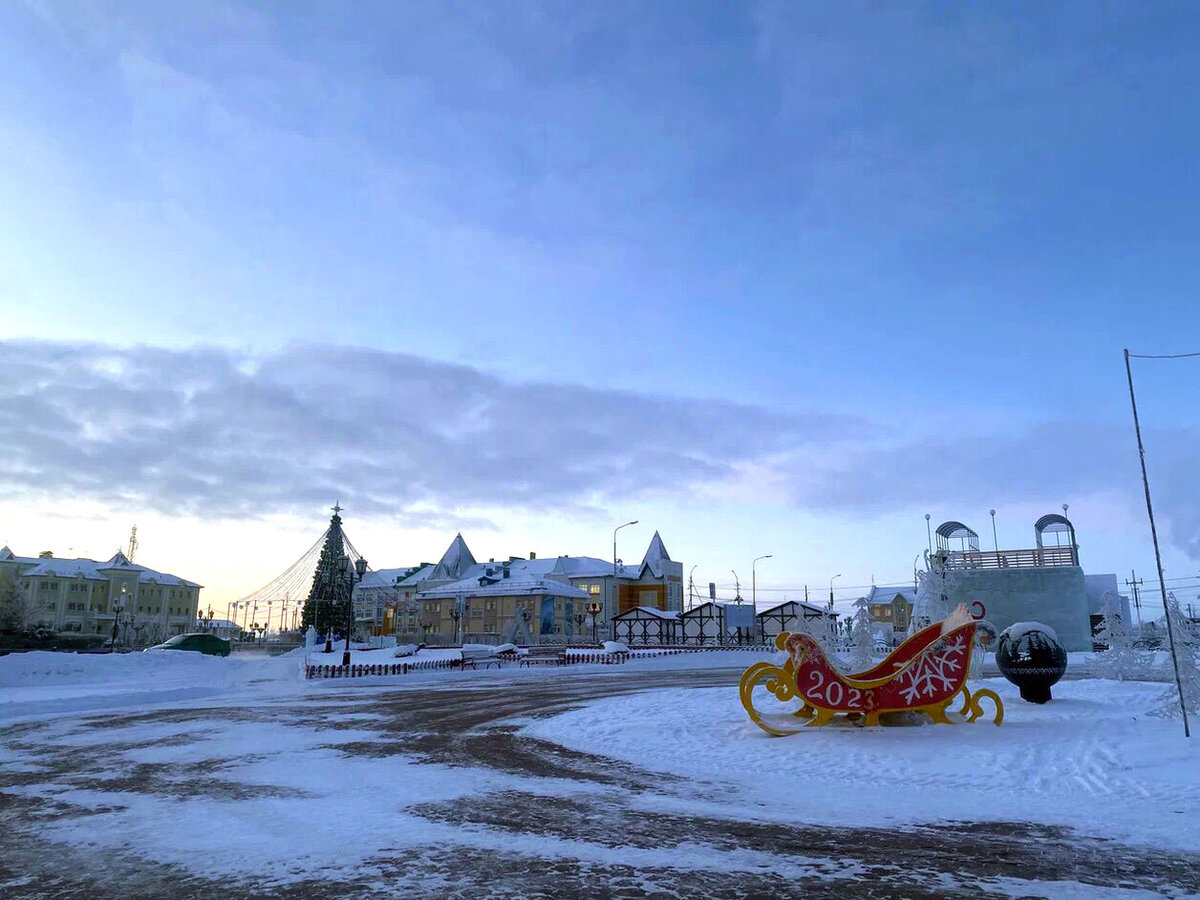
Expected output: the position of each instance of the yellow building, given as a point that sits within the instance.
(84, 596)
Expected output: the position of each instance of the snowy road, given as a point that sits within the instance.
(439, 788)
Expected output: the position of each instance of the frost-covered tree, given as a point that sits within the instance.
(1120, 661)
(1187, 655)
(862, 638)
(931, 604)
(12, 606)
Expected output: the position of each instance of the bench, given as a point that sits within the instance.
(545, 653)
(473, 659)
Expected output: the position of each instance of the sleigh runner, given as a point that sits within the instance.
(927, 674)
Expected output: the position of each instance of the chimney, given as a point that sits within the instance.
(532, 555)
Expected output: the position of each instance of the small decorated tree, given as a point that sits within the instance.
(1119, 661)
(862, 638)
(1187, 655)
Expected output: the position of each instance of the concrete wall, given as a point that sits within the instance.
(1053, 595)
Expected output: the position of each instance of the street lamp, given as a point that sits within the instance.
(360, 567)
(594, 609)
(579, 617)
(329, 580)
(455, 614)
(118, 608)
(691, 588)
(754, 581)
(995, 543)
(616, 594)
(838, 575)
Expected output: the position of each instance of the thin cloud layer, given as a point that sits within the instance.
(214, 433)
(1049, 463)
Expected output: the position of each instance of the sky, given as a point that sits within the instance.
(770, 278)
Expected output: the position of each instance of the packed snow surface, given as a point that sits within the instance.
(1091, 759)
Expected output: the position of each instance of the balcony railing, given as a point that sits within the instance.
(1013, 559)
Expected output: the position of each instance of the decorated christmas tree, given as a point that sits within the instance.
(328, 601)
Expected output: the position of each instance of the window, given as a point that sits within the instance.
(594, 590)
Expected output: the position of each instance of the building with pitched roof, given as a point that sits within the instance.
(518, 599)
(83, 595)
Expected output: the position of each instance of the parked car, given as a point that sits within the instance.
(209, 644)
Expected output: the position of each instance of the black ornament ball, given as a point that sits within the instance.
(1030, 656)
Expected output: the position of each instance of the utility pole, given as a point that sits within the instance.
(1137, 602)
(1162, 585)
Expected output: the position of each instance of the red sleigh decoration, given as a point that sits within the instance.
(924, 674)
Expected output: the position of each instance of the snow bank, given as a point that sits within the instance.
(43, 682)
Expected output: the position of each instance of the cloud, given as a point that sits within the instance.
(215, 433)
(1048, 463)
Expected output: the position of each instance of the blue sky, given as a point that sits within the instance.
(826, 267)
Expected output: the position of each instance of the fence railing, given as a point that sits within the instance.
(1013, 559)
(575, 657)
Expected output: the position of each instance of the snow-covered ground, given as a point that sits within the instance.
(397, 778)
(1090, 759)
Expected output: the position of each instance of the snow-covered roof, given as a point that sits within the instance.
(883, 593)
(60, 567)
(648, 610)
(454, 562)
(656, 555)
(457, 564)
(390, 578)
(589, 567)
(808, 606)
(519, 582)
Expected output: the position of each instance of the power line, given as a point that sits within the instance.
(1163, 355)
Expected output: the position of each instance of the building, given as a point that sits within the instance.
(890, 608)
(1043, 583)
(518, 599)
(794, 616)
(83, 595)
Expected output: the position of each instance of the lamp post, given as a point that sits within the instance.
(118, 608)
(995, 542)
(594, 609)
(455, 614)
(754, 582)
(838, 575)
(928, 533)
(579, 621)
(329, 580)
(360, 568)
(691, 588)
(616, 594)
